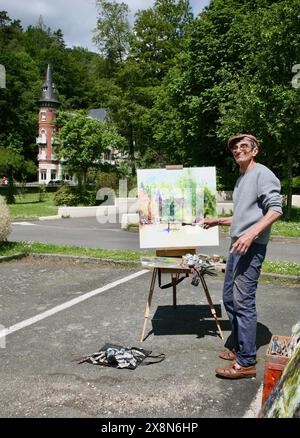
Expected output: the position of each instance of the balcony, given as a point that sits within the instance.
(41, 140)
(54, 140)
(42, 156)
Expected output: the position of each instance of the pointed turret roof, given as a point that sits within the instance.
(48, 95)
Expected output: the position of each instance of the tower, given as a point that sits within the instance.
(49, 166)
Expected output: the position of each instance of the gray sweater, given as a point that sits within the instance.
(255, 192)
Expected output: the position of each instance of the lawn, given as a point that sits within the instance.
(29, 206)
(12, 248)
(288, 229)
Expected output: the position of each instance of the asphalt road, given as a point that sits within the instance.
(55, 318)
(88, 232)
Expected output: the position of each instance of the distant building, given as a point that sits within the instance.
(49, 167)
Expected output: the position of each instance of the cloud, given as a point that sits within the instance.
(76, 18)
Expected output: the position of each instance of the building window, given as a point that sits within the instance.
(43, 175)
(53, 174)
(107, 155)
(43, 116)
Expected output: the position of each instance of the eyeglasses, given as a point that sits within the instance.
(243, 147)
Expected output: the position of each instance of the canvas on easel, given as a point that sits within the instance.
(172, 206)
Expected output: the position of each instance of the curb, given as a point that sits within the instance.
(280, 276)
(49, 218)
(20, 255)
(84, 259)
(88, 259)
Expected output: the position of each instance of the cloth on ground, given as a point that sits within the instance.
(118, 356)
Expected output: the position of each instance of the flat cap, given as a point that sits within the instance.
(234, 139)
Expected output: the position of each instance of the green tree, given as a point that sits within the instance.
(12, 165)
(83, 142)
(263, 101)
(158, 35)
(113, 30)
(18, 109)
(232, 46)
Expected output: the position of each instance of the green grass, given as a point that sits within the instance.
(281, 267)
(287, 229)
(12, 248)
(27, 206)
(279, 228)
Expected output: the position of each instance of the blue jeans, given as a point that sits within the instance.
(240, 283)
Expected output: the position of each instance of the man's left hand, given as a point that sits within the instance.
(243, 243)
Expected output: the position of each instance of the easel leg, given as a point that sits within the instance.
(148, 305)
(212, 308)
(174, 282)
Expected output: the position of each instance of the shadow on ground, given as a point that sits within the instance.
(263, 337)
(197, 320)
(187, 320)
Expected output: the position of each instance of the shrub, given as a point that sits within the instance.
(105, 179)
(72, 196)
(295, 184)
(42, 192)
(66, 196)
(5, 226)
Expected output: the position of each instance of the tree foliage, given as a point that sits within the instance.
(83, 141)
(174, 86)
(113, 30)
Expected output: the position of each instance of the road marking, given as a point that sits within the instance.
(27, 322)
(22, 223)
(255, 406)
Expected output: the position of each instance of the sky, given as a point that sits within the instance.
(76, 18)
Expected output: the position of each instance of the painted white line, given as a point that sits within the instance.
(255, 406)
(56, 309)
(22, 223)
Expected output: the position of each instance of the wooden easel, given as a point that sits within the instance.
(175, 273)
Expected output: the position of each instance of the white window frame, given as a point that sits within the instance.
(43, 174)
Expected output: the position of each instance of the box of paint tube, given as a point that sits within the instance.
(277, 356)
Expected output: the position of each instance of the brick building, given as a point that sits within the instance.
(49, 166)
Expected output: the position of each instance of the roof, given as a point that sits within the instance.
(48, 94)
(98, 114)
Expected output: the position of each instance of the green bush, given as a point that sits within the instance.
(105, 179)
(42, 192)
(295, 183)
(72, 196)
(66, 196)
(5, 226)
(295, 214)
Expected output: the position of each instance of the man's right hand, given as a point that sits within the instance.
(210, 222)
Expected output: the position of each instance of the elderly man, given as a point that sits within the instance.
(257, 204)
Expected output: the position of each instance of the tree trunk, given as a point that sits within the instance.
(289, 185)
(84, 176)
(10, 197)
(131, 151)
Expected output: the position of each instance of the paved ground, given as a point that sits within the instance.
(38, 377)
(88, 232)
